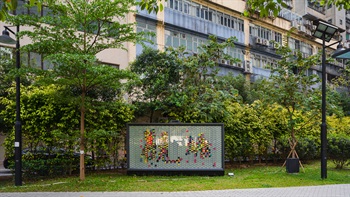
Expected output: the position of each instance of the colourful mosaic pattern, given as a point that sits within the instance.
(175, 147)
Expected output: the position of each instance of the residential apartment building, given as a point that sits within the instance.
(190, 22)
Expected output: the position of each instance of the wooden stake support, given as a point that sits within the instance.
(293, 152)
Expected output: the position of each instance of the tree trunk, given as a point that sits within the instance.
(82, 138)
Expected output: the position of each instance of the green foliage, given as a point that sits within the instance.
(35, 166)
(338, 125)
(240, 126)
(251, 129)
(50, 121)
(41, 112)
(158, 73)
(264, 7)
(339, 150)
(106, 131)
(342, 82)
(238, 83)
(151, 5)
(6, 65)
(340, 4)
(307, 148)
(200, 95)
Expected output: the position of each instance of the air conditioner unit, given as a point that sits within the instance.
(247, 66)
(289, 4)
(258, 40)
(301, 28)
(266, 42)
(223, 61)
(347, 44)
(307, 23)
(308, 32)
(295, 24)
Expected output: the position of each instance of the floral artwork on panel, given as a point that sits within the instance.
(201, 146)
(163, 147)
(149, 150)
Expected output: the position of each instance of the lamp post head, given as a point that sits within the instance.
(340, 49)
(342, 54)
(6, 39)
(324, 31)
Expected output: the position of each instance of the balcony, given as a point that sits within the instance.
(196, 24)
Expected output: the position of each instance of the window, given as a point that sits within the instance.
(190, 42)
(23, 8)
(340, 21)
(297, 44)
(210, 15)
(186, 8)
(145, 27)
(261, 32)
(176, 5)
(278, 37)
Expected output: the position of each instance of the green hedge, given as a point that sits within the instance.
(338, 150)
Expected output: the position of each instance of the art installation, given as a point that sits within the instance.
(175, 148)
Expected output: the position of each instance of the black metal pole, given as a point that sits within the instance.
(18, 124)
(324, 124)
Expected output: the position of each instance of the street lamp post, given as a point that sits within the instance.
(5, 38)
(325, 32)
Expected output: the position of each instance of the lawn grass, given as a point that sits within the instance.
(261, 176)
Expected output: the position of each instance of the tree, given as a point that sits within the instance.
(70, 37)
(342, 82)
(240, 84)
(43, 112)
(50, 120)
(158, 73)
(241, 122)
(294, 90)
(200, 95)
(5, 82)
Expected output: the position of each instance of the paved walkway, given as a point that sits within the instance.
(341, 190)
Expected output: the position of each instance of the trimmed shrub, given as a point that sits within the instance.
(339, 150)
